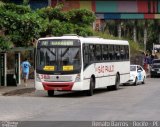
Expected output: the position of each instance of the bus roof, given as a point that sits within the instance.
(93, 40)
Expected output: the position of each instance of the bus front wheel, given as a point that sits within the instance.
(91, 89)
(50, 93)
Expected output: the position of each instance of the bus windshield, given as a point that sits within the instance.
(58, 58)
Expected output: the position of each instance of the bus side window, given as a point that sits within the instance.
(114, 52)
(117, 51)
(111, 52)
(85, 55)
(92, 52)
(127, 51)
(105, 52)
(122, 52)
(98, 52)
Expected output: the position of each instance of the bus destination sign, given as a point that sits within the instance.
(61, 43)
(58, 43)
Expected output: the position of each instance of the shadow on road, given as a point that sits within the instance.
(82, 93)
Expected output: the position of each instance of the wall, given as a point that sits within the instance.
(116, 9)
(34, 3)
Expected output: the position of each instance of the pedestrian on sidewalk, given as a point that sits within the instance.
(25, 66)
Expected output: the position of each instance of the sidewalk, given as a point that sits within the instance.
(19, 89)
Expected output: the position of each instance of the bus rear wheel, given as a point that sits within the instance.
(91, 89)
(117, 83)
(50, 93)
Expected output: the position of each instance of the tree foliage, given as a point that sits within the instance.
(5, 43)
(81, 17)
(22, 25)
(19, 9)
(58, 22)
(127, 26)
(21, 28)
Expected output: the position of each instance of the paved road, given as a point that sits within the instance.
(129, 103)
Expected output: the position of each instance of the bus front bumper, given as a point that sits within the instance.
(64, 86)
(58, 85)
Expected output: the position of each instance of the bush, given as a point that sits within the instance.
(5, 43)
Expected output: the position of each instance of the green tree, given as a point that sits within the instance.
(81, 17)
(58, 22)
(22, 25)
(5, 43)
(25, 2)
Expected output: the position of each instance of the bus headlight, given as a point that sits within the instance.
(78, 78)
(38, 78)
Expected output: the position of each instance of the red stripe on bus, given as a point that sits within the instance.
(58, 85)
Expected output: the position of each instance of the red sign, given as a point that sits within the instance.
(105, 69)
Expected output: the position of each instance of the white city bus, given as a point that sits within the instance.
(73, 63)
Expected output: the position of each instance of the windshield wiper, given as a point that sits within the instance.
(65, 52)
(51, 52)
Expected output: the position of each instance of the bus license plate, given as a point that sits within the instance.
(58, 88)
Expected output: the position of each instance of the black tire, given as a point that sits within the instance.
(50, 93)
(152, 76)
(91, 89)
(136, 83)
(144, 80)
(109, 88)
(117, 83)
(124, 84)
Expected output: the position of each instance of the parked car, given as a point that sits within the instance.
(137, 75)
(155, 68)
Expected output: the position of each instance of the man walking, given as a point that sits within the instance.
(25, 70)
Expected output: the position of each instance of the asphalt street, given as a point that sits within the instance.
(128, 103)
